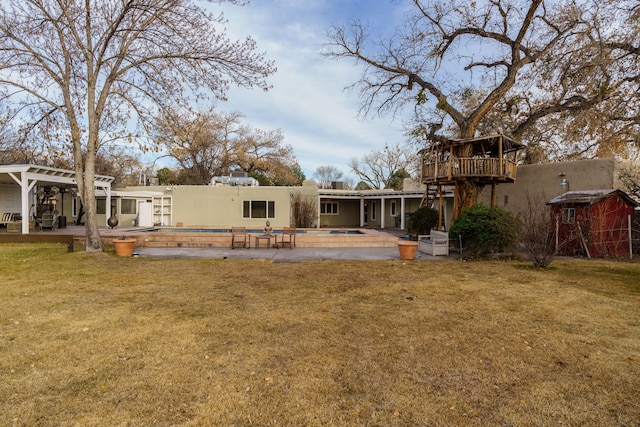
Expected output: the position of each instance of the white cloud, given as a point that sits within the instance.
(308, 101)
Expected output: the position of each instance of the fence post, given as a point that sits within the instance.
(630, 239)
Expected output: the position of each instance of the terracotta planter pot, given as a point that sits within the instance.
(124, 247)
(407, 249)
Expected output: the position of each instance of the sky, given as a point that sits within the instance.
(308, 102)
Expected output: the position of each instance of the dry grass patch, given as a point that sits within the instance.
(99, 340)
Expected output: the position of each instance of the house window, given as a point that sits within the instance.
(394, 211)
(329, 208)
(74, 207)
(373, 211)
(568, 215)
(101, 206)
(258, 209)
(127, 206)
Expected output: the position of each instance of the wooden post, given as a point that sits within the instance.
(435, 165)
(450, 160)
(584, 242)
(440, 208)
(557, 230)
(456, 194)
(500, 159)
(630, 240)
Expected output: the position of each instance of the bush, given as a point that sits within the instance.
(485, 231)
(538, 233)
(423, 220)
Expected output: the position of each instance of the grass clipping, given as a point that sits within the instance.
(93, 339)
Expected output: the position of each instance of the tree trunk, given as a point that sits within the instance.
(468, 195)
(468, 192)
(93, 240)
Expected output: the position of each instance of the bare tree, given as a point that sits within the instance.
(537, 234)
(209, 143)
(121, 164)
(499, 65)
(325, 175)
(85, 68)
(378, 168)
(629, 179)
(304, 210)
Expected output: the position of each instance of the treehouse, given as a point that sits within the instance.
(478, 161)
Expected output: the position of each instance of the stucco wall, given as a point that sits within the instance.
(542, 182)
(348, 214)
(208, 206)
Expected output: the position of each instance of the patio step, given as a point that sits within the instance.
(310, 239)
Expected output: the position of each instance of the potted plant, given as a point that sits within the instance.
(124, 246)
(407, 249)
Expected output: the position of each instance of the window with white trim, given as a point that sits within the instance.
(329, 208)
(394, 209)
(258, 209)
(568, 215)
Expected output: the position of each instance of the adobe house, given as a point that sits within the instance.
(225, 205)
(28, 190)
(593, 222)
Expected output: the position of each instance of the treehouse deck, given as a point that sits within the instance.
(473, 169)
(486, 160)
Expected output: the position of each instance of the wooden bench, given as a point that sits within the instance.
(436, 243)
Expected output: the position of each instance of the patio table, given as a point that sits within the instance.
(266, 237)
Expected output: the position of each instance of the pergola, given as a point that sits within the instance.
(27, 176)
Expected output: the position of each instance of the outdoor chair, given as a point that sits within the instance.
(6, 218)
(239, 237)
(288, 237)
(49, 220)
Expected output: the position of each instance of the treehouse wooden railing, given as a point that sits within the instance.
(469, 168)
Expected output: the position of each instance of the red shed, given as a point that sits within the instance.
(594, 220)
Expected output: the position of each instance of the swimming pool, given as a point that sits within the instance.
(251, 231)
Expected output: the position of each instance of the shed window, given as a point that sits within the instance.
(568, 215)
(259, 209)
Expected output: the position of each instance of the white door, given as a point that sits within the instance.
(145, 214)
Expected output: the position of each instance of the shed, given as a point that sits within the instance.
(595, 222)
